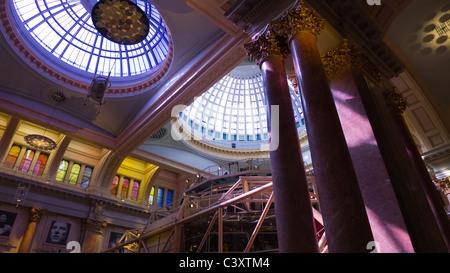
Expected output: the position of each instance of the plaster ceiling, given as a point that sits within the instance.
(418, 40)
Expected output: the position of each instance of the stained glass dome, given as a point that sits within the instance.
(63, 32)
(233, 112)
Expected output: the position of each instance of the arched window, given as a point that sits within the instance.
(26, 160)
(159, 197)
(86, 177)
(40, 164)
(135, 190)
(12, 156)
(125, 185)
(152, 194)
(74, 173)
(114, 185)
(62, 170)
(169, 197)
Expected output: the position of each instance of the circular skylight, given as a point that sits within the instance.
(62, 30)
(233, 112)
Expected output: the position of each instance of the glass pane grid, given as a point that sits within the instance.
(64, 28)
(233, 109)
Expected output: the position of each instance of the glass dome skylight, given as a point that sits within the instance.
(63, 29)
(233, 112)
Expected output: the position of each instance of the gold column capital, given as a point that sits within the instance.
(395, 101)
(94, 225)
(267, 44)
(274, 39)
(346, 55)
(294, 81)
(302, 18)
(36, 214)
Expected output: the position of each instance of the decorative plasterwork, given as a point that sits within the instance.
(420, 115)
(22, 48)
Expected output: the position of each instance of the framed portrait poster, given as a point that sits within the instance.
(58, 233)
(6, 222)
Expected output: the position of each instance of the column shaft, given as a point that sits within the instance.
(429, 187)
(383, 210)
(27, 240)
(346, 224)
(295, 224)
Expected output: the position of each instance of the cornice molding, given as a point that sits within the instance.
(61, 126)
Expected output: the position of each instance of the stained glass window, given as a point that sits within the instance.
(62, 170)
(159, 197)
(74, 173)
(152, 194)
(12, 156)
(125, 185)
(114, 185)
(86, 177)
(135, 190)
(40, 164)
(64, 29)
(26, 160)
(169, 197)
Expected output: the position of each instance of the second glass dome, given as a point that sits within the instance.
(233, 112)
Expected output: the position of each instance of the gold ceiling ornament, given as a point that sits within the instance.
(120, 21)
(395, 101)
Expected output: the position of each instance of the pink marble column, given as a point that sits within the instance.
(384, 213)
(295, 224)
(429, 187)
(346, 223)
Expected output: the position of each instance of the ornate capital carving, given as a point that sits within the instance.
(346, 55)
(95, 225)
(294, 81)
(395, 101)
(270, 42)
(36, 214)
(274, 39)
(302, 18)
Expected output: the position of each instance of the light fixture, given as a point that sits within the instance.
(97, 91)
(41, 142)
(120, 21)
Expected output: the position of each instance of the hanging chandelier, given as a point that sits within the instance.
(120, 21)
(40, 142)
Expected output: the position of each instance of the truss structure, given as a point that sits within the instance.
(248, 200)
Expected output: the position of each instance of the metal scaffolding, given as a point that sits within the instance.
(248, 200)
